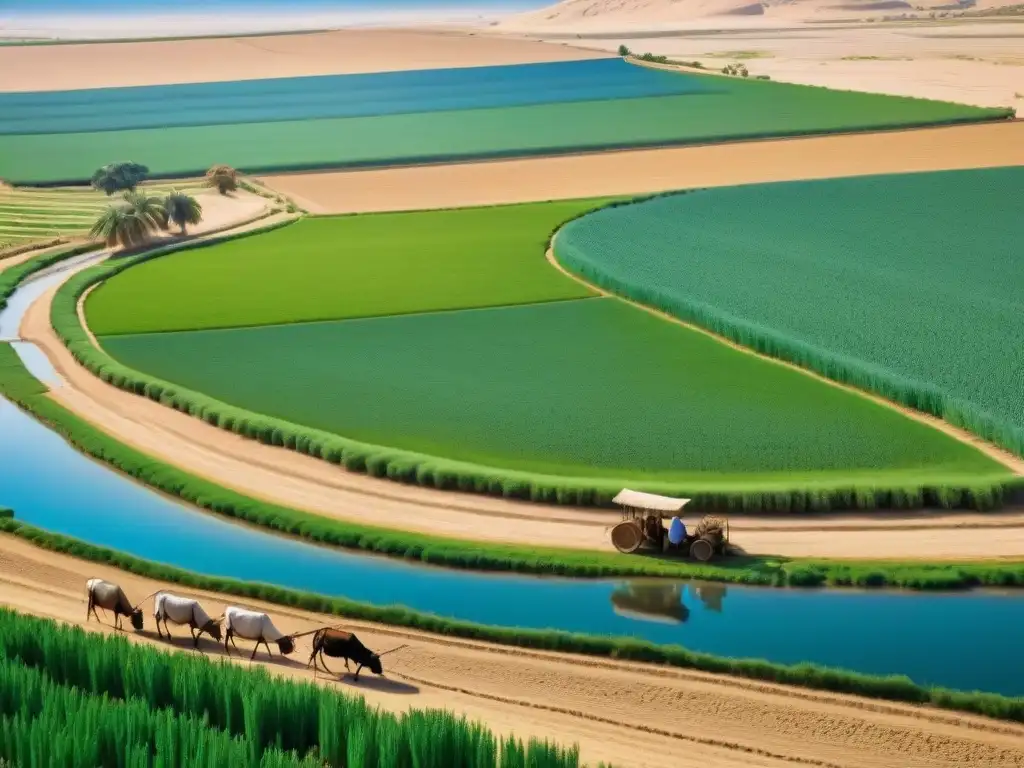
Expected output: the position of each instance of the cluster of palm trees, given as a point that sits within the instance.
(133, 221)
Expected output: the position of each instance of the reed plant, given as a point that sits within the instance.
(433, 472)
(143, 707)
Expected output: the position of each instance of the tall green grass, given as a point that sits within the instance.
(137, 706)
(421, 469)
(892, 687)
(18, 385)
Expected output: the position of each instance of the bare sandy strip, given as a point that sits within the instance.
(105, 65)
(628, 714)
(295, 480)
(657, 170)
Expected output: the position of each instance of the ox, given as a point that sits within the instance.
(253, 625)
(339, 644)
(183, 611)
(111, 598)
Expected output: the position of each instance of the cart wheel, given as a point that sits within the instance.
(702, 550)
(627, 537)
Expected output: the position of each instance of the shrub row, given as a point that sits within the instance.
(420, 469)
(144, 707)
(920, 396)
(21, 387)
(894, 688)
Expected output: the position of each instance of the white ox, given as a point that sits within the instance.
(183, 611)
(253, 625)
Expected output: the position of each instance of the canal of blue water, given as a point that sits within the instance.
(970, 640)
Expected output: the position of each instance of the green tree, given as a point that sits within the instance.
(182, 209)
(223, 178)
(131, 222)
(118, 177)
(148, 209)
(117, 225)
(623, 50)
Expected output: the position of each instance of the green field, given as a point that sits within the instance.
(343, 267)
(586, 388)
(739, 109)
(906, 285)
(28, 215)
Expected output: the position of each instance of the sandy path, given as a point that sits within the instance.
(104, 65)
(629, 714)
(299, 481)
(657, 170)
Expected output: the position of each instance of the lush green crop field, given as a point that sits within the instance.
(738, 109)
(343, 267)
(587, 388)
(906, 285)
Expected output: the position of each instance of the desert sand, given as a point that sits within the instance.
(632, 715)
(656, 170)
(815, 42)
(105, 65)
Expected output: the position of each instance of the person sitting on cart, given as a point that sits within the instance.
(676, 532)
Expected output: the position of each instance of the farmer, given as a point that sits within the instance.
(676, 532)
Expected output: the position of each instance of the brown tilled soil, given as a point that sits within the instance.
(631, 715)
(655, 170)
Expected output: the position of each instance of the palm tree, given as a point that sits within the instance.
(149, 210)
(182, 209)
(119, 226)
(131, 222)
(223, 178)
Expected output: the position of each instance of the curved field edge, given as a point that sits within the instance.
(891, 688)
(917, 395)
(444, 474)
(19, 386)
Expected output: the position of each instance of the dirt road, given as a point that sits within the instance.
(638, 172)
(631, 715)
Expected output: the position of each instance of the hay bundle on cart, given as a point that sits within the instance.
(643, 526)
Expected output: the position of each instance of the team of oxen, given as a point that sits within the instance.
(240, 622)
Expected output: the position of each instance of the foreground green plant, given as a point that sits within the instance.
(893, 687)
(143, 707)
(18, 385)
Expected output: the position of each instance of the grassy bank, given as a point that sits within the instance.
(779, 494)
(144, 707)
(19, 386)
(894, 688)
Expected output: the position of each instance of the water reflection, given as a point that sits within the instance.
(664, 602)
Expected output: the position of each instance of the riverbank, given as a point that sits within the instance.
(537, 527)
(682, 718)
